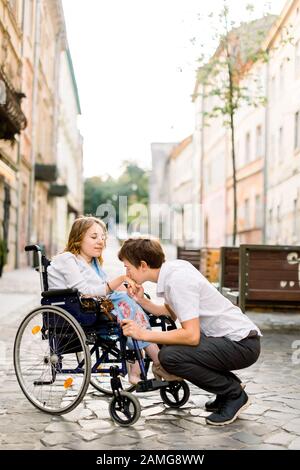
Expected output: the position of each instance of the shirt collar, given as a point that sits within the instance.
(160, 289)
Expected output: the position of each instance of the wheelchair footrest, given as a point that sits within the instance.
(150, 385)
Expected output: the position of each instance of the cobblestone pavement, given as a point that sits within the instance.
(271, 422)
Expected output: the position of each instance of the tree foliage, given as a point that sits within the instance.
(132, 183)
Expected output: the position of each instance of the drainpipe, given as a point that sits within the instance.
(265, 168)
(53, 202)
(202, 166)
(19, 188)
(37, 37)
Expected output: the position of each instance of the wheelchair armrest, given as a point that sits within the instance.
(58, 292)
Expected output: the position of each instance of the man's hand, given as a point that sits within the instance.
(132, 329)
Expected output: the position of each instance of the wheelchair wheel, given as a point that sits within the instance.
(45, 360)
(176, 394)
(125, 410)
(100, 380)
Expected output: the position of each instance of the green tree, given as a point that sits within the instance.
(132, 183)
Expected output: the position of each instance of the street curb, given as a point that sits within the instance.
(276, 322)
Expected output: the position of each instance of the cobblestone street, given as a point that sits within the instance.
(271, 422)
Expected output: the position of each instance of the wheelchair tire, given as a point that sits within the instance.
(125, 410)
(176, 394)
(45, 360)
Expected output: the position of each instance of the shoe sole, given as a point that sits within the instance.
(212, 410)
(229, 421)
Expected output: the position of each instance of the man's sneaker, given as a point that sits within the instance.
(229, 410)
(214, 403)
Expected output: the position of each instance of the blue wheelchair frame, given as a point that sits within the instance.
(101, 333)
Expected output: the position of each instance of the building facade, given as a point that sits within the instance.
(283, 131)
(40, 145)
(68, 203)
(267, 145)
(12, 123)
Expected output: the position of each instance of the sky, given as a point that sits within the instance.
(135, 63)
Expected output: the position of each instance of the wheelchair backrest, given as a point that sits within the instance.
(45, 263)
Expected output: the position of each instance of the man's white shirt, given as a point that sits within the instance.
(191, 296)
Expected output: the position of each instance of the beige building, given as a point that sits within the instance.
(67, 191)
(250, 151)
(160, 194)
(267, 142)
(283, 129)
(181, 191)
(12, 123)
(49, 38)
(213, 154)
(41, 174)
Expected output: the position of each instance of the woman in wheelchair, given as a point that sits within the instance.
(80, 266)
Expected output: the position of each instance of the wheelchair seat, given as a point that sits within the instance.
(48, 294)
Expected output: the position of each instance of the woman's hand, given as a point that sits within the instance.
(132, 329)
(131, 286)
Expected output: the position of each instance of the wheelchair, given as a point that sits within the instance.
(63, 346)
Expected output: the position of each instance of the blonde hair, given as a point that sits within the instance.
(79, 228)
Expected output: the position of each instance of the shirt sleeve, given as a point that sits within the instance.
(74, 278)
(184, 297)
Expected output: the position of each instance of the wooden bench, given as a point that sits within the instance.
(229, 269)
(269, 276)
(189, 254)
(210, 264)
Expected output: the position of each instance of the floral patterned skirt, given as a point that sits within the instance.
(126, 307)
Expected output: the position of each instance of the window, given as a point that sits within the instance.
(270, 231)
(247, 147)
(258, 211)
(259, 149)
(278, 223)
(295, 218)
(281, 77)
(209, 175)
(273, 147)
(297, 130)
(280, 145)
(247, 214)
(297, 59)
(273, 88)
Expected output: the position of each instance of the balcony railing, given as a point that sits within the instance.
(47, 173)
(12, 118)
(58, 190)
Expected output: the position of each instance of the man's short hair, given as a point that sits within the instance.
(136, 250)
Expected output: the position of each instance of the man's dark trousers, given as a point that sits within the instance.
(209, 364)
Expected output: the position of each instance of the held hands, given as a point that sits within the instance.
(138, 295)
(132, 329)
(134, 290)
(130, 286)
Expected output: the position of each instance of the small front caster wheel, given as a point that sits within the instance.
(176, 394)
(124, 409)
